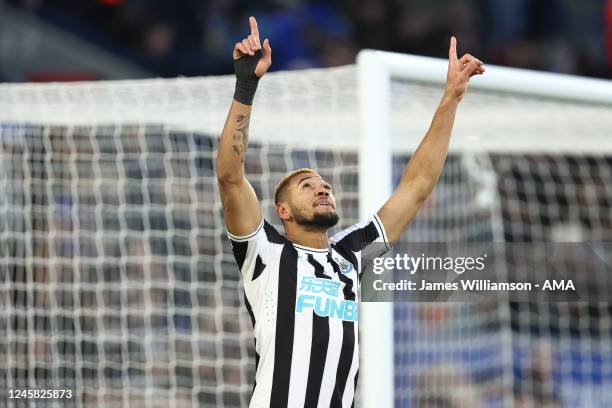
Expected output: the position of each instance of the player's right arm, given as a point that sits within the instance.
(240, 204)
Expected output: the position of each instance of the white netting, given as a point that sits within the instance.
(118, 281)
(523, 170)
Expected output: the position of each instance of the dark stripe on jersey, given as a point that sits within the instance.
(256, 366)
(360, 238)
(259, 267)
(273, 235)
(348, 282)
(285, 324)
(318, 350)
(333, 263)
(250, 310)
(318, 268)
(347, 254)
(240, 250)
(348, 342)
(344, 363)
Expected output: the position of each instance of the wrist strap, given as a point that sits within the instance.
(246, 80)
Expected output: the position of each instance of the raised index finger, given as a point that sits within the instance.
(254, 29)
(452, 52)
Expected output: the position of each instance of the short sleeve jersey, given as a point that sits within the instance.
(303, 303)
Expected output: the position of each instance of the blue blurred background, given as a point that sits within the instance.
(189, 37)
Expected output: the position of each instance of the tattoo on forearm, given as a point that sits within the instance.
(241, 134)
(238, 149)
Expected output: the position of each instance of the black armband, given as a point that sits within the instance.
(246, 80)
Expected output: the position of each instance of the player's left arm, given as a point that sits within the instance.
(422, 171)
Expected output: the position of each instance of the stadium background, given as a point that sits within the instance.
(163, 40)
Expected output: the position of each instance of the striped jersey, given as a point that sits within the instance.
(303, 303)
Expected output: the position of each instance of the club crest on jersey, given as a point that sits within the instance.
(344, 265)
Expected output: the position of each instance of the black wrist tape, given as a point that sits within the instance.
(246, 80)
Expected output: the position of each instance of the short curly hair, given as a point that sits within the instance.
(284, 182)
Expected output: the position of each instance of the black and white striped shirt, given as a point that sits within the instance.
(304, 306)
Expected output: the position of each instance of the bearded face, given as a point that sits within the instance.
(316, 220)
(312, 203)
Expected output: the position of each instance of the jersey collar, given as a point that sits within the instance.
(317, 250)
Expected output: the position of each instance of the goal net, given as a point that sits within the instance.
(117, 280)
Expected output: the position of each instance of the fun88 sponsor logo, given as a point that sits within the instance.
(322, 296)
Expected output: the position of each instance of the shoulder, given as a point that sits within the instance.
(253, 251)
(264, 231)
(359, 235)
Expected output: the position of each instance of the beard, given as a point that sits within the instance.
(317, 220)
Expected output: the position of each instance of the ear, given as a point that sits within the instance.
(283, 211)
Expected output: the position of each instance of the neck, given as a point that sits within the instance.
(307, 237)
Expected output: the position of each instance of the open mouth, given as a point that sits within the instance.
(323, 205)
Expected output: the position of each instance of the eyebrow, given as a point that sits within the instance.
(306, 178)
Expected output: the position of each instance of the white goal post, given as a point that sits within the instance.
(376, 70)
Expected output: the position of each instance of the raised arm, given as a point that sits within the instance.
(240, 204)
(422, 172)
